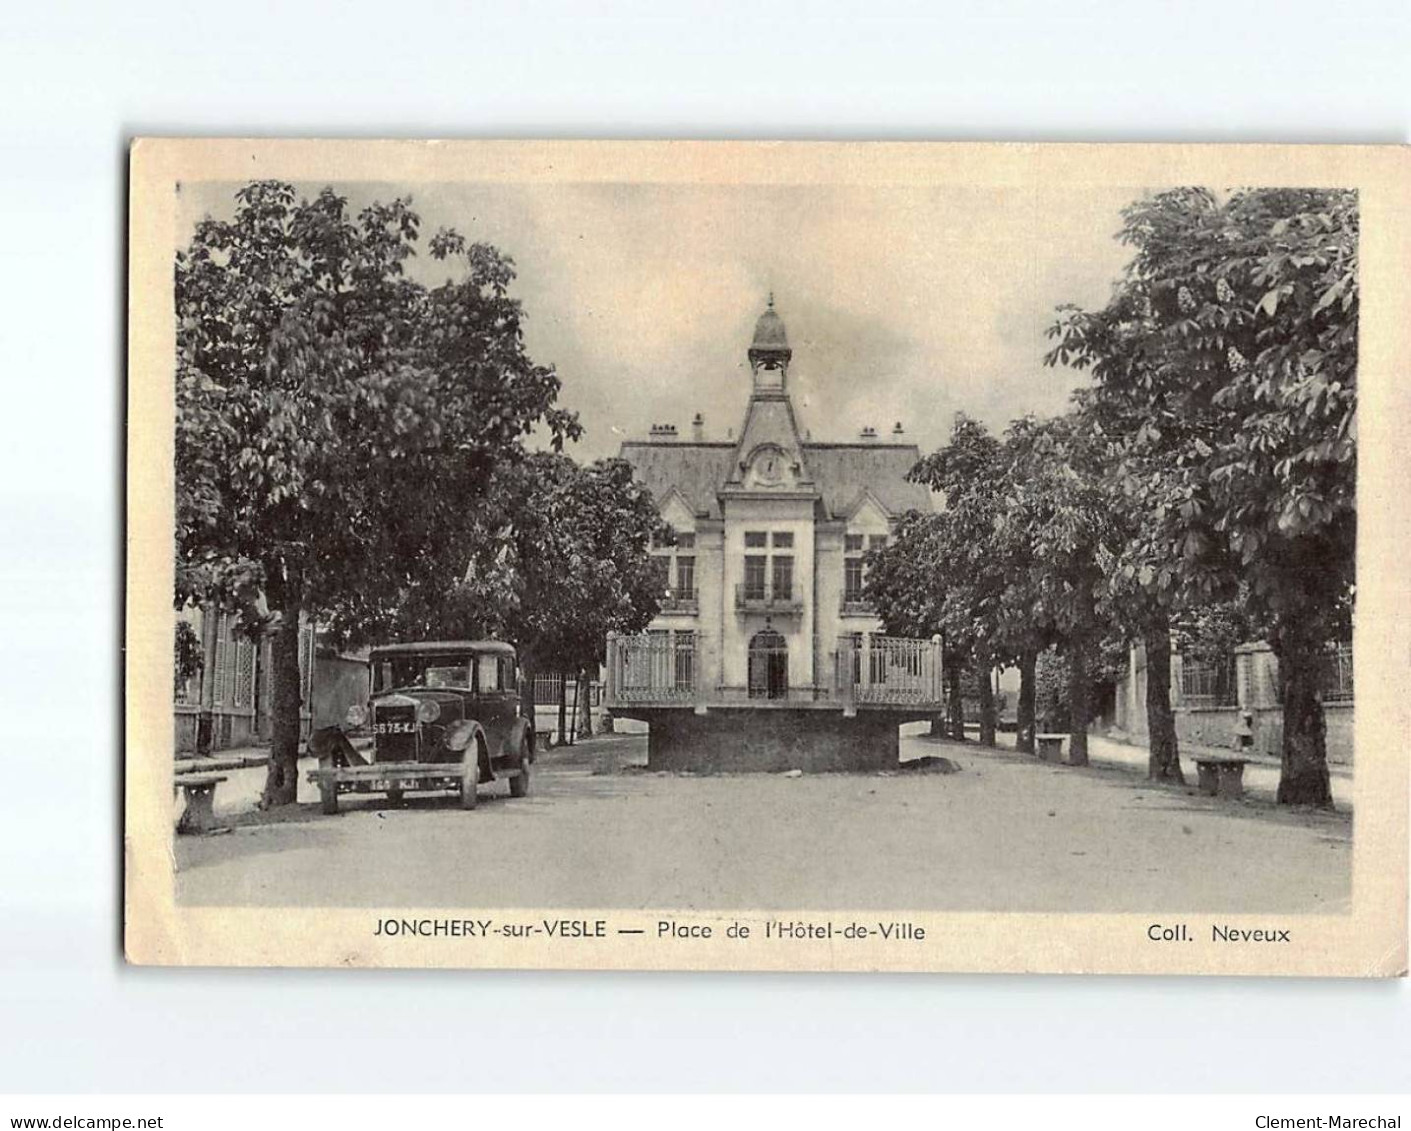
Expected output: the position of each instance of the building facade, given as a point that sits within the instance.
(226, 702)
(764, 633)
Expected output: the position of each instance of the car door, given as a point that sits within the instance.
(497, 699)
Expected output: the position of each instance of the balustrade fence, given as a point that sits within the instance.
(668, 668)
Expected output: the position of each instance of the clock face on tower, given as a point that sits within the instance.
(769, 467)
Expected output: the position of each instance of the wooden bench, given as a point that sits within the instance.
(199, 814)
(1050, 747)
(1220, 775)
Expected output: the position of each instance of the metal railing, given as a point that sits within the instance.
(1338, 681)
(856, 605)
(680, 601)
(669, 669)
(768, 598)
(893, 670)
(651, 668)
(1209, 685)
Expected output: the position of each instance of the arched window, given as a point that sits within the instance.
(768, 666)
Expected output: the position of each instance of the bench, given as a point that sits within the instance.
(1050, 747)
(1220, 775)
(199, 814)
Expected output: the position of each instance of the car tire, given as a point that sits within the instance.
(328, 798)
(394, 796)
(519, 784)
(470, 776)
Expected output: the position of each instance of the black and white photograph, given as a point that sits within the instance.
(665, 565)
(759, 561)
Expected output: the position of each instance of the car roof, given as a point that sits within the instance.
(444, 648)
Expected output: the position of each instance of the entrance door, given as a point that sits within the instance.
(768, 666)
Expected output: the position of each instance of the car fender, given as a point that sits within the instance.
(520, 739)
(332, 748)
(463, 733)
(468, 734)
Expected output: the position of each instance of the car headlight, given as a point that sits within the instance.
(428, 711)
(356, 716)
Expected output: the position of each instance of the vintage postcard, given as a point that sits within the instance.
(768, 556)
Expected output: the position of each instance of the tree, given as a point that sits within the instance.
(562, 558)
(987, 563)
(1058, 506)
(1139, 598)
(1233, 337)
(187, 656)
(905, 582)
(336, 422)
(967, 573)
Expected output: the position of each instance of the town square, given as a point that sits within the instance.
(729, 584)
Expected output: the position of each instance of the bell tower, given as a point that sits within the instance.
(770, 354)
(769, 455)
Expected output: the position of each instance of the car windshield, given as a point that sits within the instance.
(424, 671)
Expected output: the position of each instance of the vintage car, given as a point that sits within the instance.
(443, 715)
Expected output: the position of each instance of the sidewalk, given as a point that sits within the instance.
(1261, 776)
(1191, 749)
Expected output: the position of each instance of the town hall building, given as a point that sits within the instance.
(765, 654)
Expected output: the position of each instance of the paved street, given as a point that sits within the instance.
(1003, 833)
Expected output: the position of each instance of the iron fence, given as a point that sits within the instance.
(1209, 685)
(656, 667)
(894, 670)
(667, 668)
(1338, 688)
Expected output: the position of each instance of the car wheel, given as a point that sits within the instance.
(328, 797)
(470, 777)
(519, 784)
(394, 796)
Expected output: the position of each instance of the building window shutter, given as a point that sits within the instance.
(219, 676)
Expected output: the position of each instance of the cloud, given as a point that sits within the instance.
(902, 303)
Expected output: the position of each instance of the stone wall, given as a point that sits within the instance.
(1257, 679)
(771, 740)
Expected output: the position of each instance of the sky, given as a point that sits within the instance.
(902, 304)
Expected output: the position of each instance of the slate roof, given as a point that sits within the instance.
(841, 472)
(696, 470)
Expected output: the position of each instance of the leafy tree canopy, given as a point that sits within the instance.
(335, 419)
(1229, 354)
(562, 558)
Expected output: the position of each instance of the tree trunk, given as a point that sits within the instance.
(938, 726)
(563, 709)
(206, 719)
(984, 676)
(1079, 706)
(1303, 777)
(282, 774)
(526, 692)
(1164, 760)
(1028, 691)
(956, 703)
